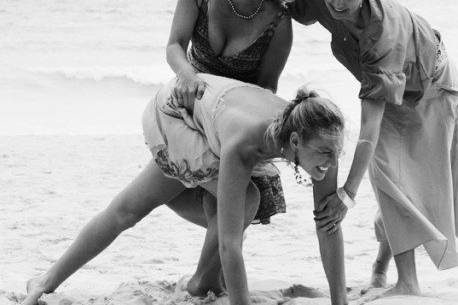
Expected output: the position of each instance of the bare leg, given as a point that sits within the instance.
(407, 275)
(380, 266)
(202, 212)
(208, 275)
(188, 206)
(146, 192)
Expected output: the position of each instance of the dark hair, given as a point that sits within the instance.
(309, 115)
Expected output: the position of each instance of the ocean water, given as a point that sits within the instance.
(89, 66)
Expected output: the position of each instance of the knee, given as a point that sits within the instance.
(209, 205)
(123, 214)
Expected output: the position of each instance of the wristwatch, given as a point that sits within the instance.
(343, 196)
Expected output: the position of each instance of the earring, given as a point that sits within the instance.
(297, 174)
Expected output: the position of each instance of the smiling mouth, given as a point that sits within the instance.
(322, 169)
(340, 11)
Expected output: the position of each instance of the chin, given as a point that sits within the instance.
(318, 176)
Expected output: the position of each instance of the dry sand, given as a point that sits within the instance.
(52, 185)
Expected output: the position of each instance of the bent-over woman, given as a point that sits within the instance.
(208, 149)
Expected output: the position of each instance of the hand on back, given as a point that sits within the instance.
(188, 88)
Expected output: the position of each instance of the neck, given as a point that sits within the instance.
(272, 146)
(275, 150)
(246, 8)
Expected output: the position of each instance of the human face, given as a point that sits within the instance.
(319, 154)
(345, 10)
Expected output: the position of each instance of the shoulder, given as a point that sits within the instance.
(281, 29)
(243, 133)
(389, 28)
(247, 141)
(280, 13)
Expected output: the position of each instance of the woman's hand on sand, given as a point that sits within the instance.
(188, 88)
(330, 213)
(35, 289)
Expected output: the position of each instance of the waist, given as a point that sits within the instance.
(245, 69)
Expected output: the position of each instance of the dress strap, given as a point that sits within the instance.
(280, 15)
(201, 3)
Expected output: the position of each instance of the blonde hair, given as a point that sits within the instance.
(310, 116)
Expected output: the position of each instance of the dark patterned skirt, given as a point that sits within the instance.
(272, 200)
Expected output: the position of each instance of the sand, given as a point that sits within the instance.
(52, 185)
(88, 68)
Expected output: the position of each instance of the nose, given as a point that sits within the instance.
(337, 4)
(334, 159)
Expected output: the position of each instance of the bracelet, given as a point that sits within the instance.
(343, 196)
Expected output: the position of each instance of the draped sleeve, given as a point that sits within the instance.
(381, 80)
(383, 56)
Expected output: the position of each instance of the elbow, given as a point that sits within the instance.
(369, 137)
(369, 134)
(171, 49)
(168, 53)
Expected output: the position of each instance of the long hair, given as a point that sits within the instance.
(309, 115)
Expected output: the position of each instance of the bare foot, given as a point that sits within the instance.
(296, 291)
(402, 288)
(378, 280)
(196, 287)
(378, 277)
(35, 289)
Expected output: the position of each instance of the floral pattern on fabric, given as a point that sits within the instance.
(182, 170)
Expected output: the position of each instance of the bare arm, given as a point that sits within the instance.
(233, 181)
(331, 245)
(189, 86)
(331, 210)
(274, 59)
(371, 119)
(184, 21)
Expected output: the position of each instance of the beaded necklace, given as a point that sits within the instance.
(246, 17)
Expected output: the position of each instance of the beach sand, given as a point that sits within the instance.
(74, 79)
(52, 185)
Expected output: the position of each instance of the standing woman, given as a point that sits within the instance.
(247, 40)
(409, 129)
